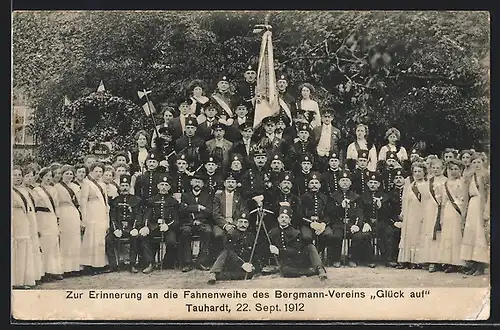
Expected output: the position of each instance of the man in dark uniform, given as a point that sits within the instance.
(396, 204)
(165, 145)
(219, 147)
(296, 256)
(180, 177)
(178, 124)
(277, 166)
(161, 219)
(270, 141)
(205, 128)
(302, 146)
(146, 184)
(125, 214)
(387, 170)
(241, 118)
(283, 193)
(245, 145)
(191, 145)
(285, 99)
(213, 177)
(234, 263)
(246, 89)
(222, 98)
(302, 177)
(346, 213)
(377, 232)
(361, 173)
(314, 219)
(196, 218)
(236, 167)
(330, 178)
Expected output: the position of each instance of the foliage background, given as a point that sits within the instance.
(426, 73)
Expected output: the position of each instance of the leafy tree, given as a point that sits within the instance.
(426, 73)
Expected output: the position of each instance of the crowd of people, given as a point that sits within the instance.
(271, 199)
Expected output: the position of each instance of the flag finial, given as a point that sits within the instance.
(101, 87)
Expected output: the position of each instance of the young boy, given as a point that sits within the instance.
(330, 178)
(161, 219)
(234, 263)
(346, 220)
(125, 214)
(376, 231)
(296, 256)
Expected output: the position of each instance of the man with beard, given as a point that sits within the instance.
(222, 98)
(277, 166)
(234, 263)
(196, 212)
(296, 257)
(191, 145)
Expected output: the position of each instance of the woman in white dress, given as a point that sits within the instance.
(362, 143)
(452, 218)
(474, 248)
(412, 218)
(137, 157)
(80, 174)
(393, 136)
(46, 205)
(26, 190)
(430, 238)
(428, 164)
(69, 222)
(465, 158)
(22, 259)
(55, 168)
(95, 218)
(310, 106)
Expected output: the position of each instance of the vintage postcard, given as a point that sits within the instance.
(250, 165)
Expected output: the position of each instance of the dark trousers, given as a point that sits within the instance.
(325, 239)
(113, 248)
(393, 249)
(304, 263)
(354, 252)
(227, 266)
(382, 232)
(153, 246)
(185, 239)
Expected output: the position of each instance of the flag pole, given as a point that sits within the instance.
(151, 113)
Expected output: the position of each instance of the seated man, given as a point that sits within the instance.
(196, 211)
(295, 256)
(234, 263)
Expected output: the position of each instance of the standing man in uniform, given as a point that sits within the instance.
(285, 99)
(244, 146)
(219, 147)
(146, 184)
(327, 138)
(191, 145)
(222, 98)
(246, 89)
(330, 178)
(396, 205)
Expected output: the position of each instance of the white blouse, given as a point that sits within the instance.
(352, 153)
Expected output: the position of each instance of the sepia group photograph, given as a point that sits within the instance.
(250, 165)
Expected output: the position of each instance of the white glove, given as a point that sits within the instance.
(398, 224)
(354, 229)
(247, 267)
(163, 227)
(118, 233)
(314, 225)
(177, 196)
(201, 208)
(345, 203)
(296, 140)
(367, 228)
(134, 232)
(378, 202)
(144, 231)
(164, 163)
(273, 249)
(259, 200)
(320, 228)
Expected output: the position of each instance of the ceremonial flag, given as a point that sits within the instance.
(148, 107)
(66, 101)
(101, 87)
(267, 93)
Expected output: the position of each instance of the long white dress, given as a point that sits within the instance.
(95, 218)
(429, 248)
(37, 249)
(69, 222)
(474, 243)
(413, 218)
(352, 153)
(451, 227)
(49, 230)
(22, 260)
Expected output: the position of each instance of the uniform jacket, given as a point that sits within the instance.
(181, 182)
(313, 204)
(125, 212)
(289, 243)
(371, 213)
(240, 148)
(395, 197)
(194, 148)
(162, 206)
(359, 180)
(353, 214)
(300, 183)
(330, 182)
(146, 185)
(294, 201)
(213, 150)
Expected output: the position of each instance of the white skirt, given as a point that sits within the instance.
(70, 242)
(22, 262)
(93, 250)
(49, 241)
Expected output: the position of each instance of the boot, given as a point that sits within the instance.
(212, 278)
(133, 269)
(149, 269)
(322, 273)
(432, 268)
(336, 264)
(479, 270)
(353, 264)
(450, 269)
